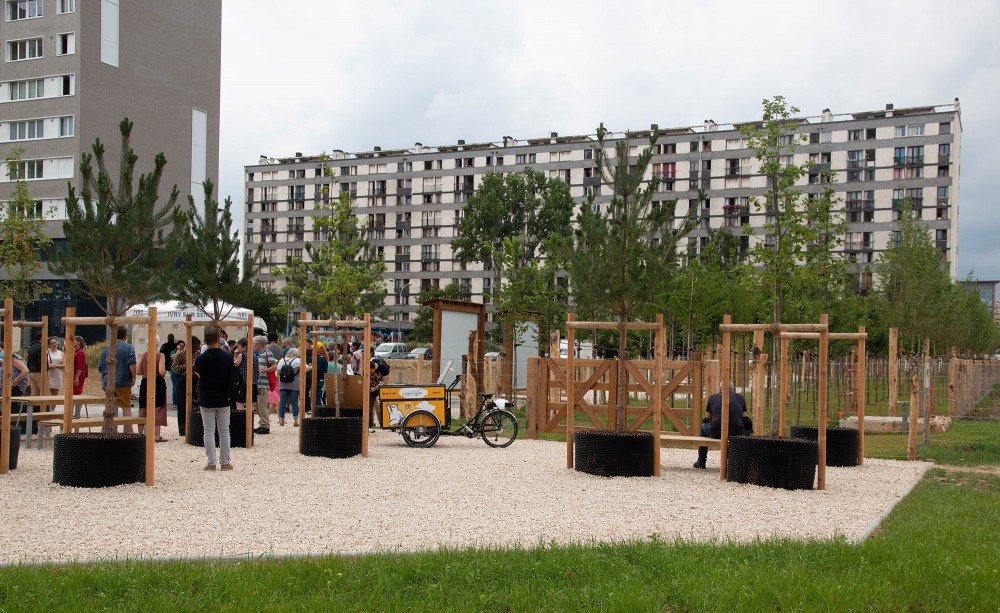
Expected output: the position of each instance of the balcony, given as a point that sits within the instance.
(855, 163)
(855, 246)
(914, 160)
(733, 172)
(944, 159)
(941, 244)
(293, 237)
(915, 203)
(860, 204)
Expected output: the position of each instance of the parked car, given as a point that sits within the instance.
(495, 354)
(420, 351)
(391, 351)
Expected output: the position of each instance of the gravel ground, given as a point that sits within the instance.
(459, 493)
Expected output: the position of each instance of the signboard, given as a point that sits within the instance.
(398, 401)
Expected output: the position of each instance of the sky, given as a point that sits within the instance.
(317, 75)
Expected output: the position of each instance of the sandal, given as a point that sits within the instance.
(161, 440)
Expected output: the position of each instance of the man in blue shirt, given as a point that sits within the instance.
(124, 372)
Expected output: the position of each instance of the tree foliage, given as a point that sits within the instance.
(423, 323)
(210, 275)
(623, 259)
(341, 275)
(22, 240)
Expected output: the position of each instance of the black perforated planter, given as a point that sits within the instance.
(841, 443)
(324, 411)
(195, 434)
(786, 463)
(331, 437)
(15, 447)
(237, 429)
(613, 454)
(98, 460)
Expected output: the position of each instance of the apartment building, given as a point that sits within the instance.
(73, 69)
(412, 198)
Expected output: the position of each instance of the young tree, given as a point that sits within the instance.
(529, 289)
(114, 239)
(341, 275)
(22, 239)
(913, 284)
(623, 259)
(210, 275)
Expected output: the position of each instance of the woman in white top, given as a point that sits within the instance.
(57, 366)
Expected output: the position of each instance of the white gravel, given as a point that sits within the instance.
(460, 493)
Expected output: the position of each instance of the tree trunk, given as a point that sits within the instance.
(621, 401)
(109, 391)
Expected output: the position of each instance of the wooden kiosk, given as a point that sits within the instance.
(189, 373)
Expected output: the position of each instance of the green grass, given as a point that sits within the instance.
(938, 551)
(968, 442)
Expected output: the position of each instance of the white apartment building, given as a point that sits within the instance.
(412, 198)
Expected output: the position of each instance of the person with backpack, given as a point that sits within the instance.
(289, 371)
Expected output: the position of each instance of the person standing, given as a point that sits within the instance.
(288, 386)
(273, 346)
(167, 349)
(124, 372)
(356, 357)
(215, 370)
(56, 367)
(176, 379)
(80, 371)
(179, 367)
(18, 384)
(263, 364)
(38, 388)
(160, 393)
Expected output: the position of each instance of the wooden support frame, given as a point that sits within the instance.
(70, 322)
(822, 332)
(657, 397)
(305, 325)
(189, 372)
(8, 367)
(860, 337)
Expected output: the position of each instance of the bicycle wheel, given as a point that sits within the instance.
(499, 428)
(420, 429)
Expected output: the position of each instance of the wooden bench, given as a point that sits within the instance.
(90, 422)
(689, 442)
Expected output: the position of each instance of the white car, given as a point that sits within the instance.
(391, 351)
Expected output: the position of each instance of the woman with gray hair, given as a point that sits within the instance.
(289, 371)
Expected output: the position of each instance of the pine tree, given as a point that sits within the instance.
(115, 250)
(622, 260)
(210, 274)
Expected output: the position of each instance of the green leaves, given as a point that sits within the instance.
(22, 240)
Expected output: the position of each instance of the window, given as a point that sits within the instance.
(27, 130)
(24, 49)
(67, 85)
(944, 127)
(23, 9)
(944, 149)
(66, 44)
(30, 169)
(855, 135)
(26, 90)
(66, 126)
(942, 171)
(870, 134)
(67, 6)
(814, 138)
(521, 158)
(785, 140)
(902, 131)
(855, 159)
(825, 137)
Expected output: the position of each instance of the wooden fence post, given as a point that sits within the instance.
(893, 370)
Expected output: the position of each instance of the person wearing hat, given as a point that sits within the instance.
(289, 390)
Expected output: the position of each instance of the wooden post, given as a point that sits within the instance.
(757, 386)
(45, 361)
(248, 401)
(420, 369)
(570, 390)
(697, 396)
(926, 393)
(151, 361)
(661, 348)
(69, 358)
(893, 370)
(952, 376)
(314, 379)
(725, 356)
(302, 380)
(532, 399)
(861, 377)
(783, 388)
(365, 378)
(712, 374)
(911, 437)
(8, 368)
(824, 350)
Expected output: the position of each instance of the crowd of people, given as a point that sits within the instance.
(219, 367)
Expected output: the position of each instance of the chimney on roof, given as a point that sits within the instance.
(377, 148)
(553, 135)
(827, 115)
(418, 145)
(461, 141)
(263, 158)
(298, 154)
(888, 110)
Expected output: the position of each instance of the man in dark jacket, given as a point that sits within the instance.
(215, 370)
(712, 426)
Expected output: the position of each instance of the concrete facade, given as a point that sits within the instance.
(157, 63)
(412, 198)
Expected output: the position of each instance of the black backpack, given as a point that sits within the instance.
(286, 374)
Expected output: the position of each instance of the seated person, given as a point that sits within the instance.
(712, 426)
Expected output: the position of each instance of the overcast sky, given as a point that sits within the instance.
(319, 75)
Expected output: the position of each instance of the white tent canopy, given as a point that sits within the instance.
(170, 317)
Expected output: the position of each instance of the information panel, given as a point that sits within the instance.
(398, 401)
